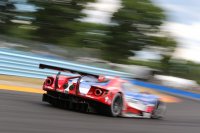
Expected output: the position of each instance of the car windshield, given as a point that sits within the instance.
(89, 79)
(85, 79)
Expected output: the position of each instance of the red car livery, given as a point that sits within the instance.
(107, 95)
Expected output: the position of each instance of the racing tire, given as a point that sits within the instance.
(115, 109)
(159, 111)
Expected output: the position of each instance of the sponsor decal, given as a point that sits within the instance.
(107, 100)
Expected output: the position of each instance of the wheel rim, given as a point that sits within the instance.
(117, 105)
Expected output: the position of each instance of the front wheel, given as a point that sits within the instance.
(159, 110)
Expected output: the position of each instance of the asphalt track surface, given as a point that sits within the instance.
(25, 113)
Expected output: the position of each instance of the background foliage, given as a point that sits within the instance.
(133, 27)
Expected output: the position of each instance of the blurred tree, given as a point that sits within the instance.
(134, 26)
(57, 21)
(5, 15)
(165, 64)
(90, 35)
(16, 18)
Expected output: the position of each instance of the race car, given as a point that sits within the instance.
(87, 92)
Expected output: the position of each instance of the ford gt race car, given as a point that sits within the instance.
(113, 96)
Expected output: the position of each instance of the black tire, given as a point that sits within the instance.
(115, 109)
(159, 111)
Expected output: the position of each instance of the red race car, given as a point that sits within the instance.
(111, 96)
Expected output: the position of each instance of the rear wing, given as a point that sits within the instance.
(44, 66)
(81, 74)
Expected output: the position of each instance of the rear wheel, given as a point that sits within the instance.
(116, 107)
(159, 111)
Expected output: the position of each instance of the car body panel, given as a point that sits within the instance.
(90, 88)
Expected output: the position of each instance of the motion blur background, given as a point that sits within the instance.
(155, 39)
